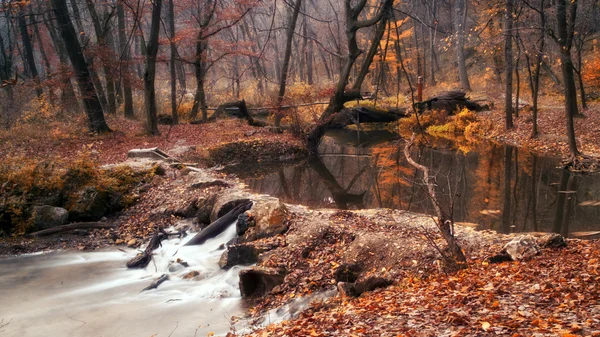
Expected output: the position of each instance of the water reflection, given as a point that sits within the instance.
(497, 187)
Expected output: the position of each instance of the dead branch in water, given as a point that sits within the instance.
(444, 222)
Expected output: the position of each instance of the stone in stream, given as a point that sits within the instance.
(246, 253)
(257, 281)
(48, 217)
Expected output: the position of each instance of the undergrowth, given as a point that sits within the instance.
(28, 182)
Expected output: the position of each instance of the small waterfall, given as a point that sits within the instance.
(93, 294)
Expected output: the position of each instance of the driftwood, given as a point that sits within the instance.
(243, 112)
(72, 226)
(158, 281)
(142, 259)
(219, 225)
(448, 101)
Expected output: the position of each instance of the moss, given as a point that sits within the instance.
(28, 182)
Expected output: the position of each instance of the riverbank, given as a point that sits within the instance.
(552, 139)
(383, 255)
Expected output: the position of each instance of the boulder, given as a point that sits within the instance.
(347, 272)
(258, 281)
(247, 253)
(347, 289)
(205, 207)
(238, 254)
(45, 217)
(188, 210)
(91, 205)
(552, 240)
(244, 222)
(268, 212)
(522, 247)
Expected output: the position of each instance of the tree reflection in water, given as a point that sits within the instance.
(496, 187)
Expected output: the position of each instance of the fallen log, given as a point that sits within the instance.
(158, 281)
(363, 115)
(243, 112)
(450, 102)
(72, 226)
(219, 225)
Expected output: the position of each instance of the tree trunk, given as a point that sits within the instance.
(124, 62)
(460, 20)
(68, 98)
(33, 73)
(111, 105)
(286, 60)
(508, 64)
(150, 72)
(565, 28)
(172, 69)
(86, 87)
(200, 68)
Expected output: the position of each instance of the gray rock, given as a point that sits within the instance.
(522, 247)
(552, 240)
(45, 217)
(90, 205)
(258, 281)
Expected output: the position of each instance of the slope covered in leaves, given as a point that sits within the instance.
(555, 294)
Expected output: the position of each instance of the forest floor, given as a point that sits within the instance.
(554, 293)
(552, 138)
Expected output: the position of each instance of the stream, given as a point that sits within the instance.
(93, 293)
(491, 186)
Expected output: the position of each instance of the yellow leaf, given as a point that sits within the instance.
(485, 326)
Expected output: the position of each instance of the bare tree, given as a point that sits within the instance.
(150, 72)
(86, 87)
(286, 59)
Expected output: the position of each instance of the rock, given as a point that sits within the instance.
(239, 254)
(151, 153)
(499, 258)
(552, 240)
(257, 281)
(191, 275)
(204, 208)
(175, 267)
(45, 217)
(188, 210)
(206, 184)
(346, 289)
(371, 283)
(90, 205)
(244, 222)
(522, 247)
(348, 272)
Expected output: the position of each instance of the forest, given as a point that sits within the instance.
(300, 167)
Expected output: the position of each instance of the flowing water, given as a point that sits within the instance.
(94, 294)
(490, 186)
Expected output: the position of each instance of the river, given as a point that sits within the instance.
(485, 185)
